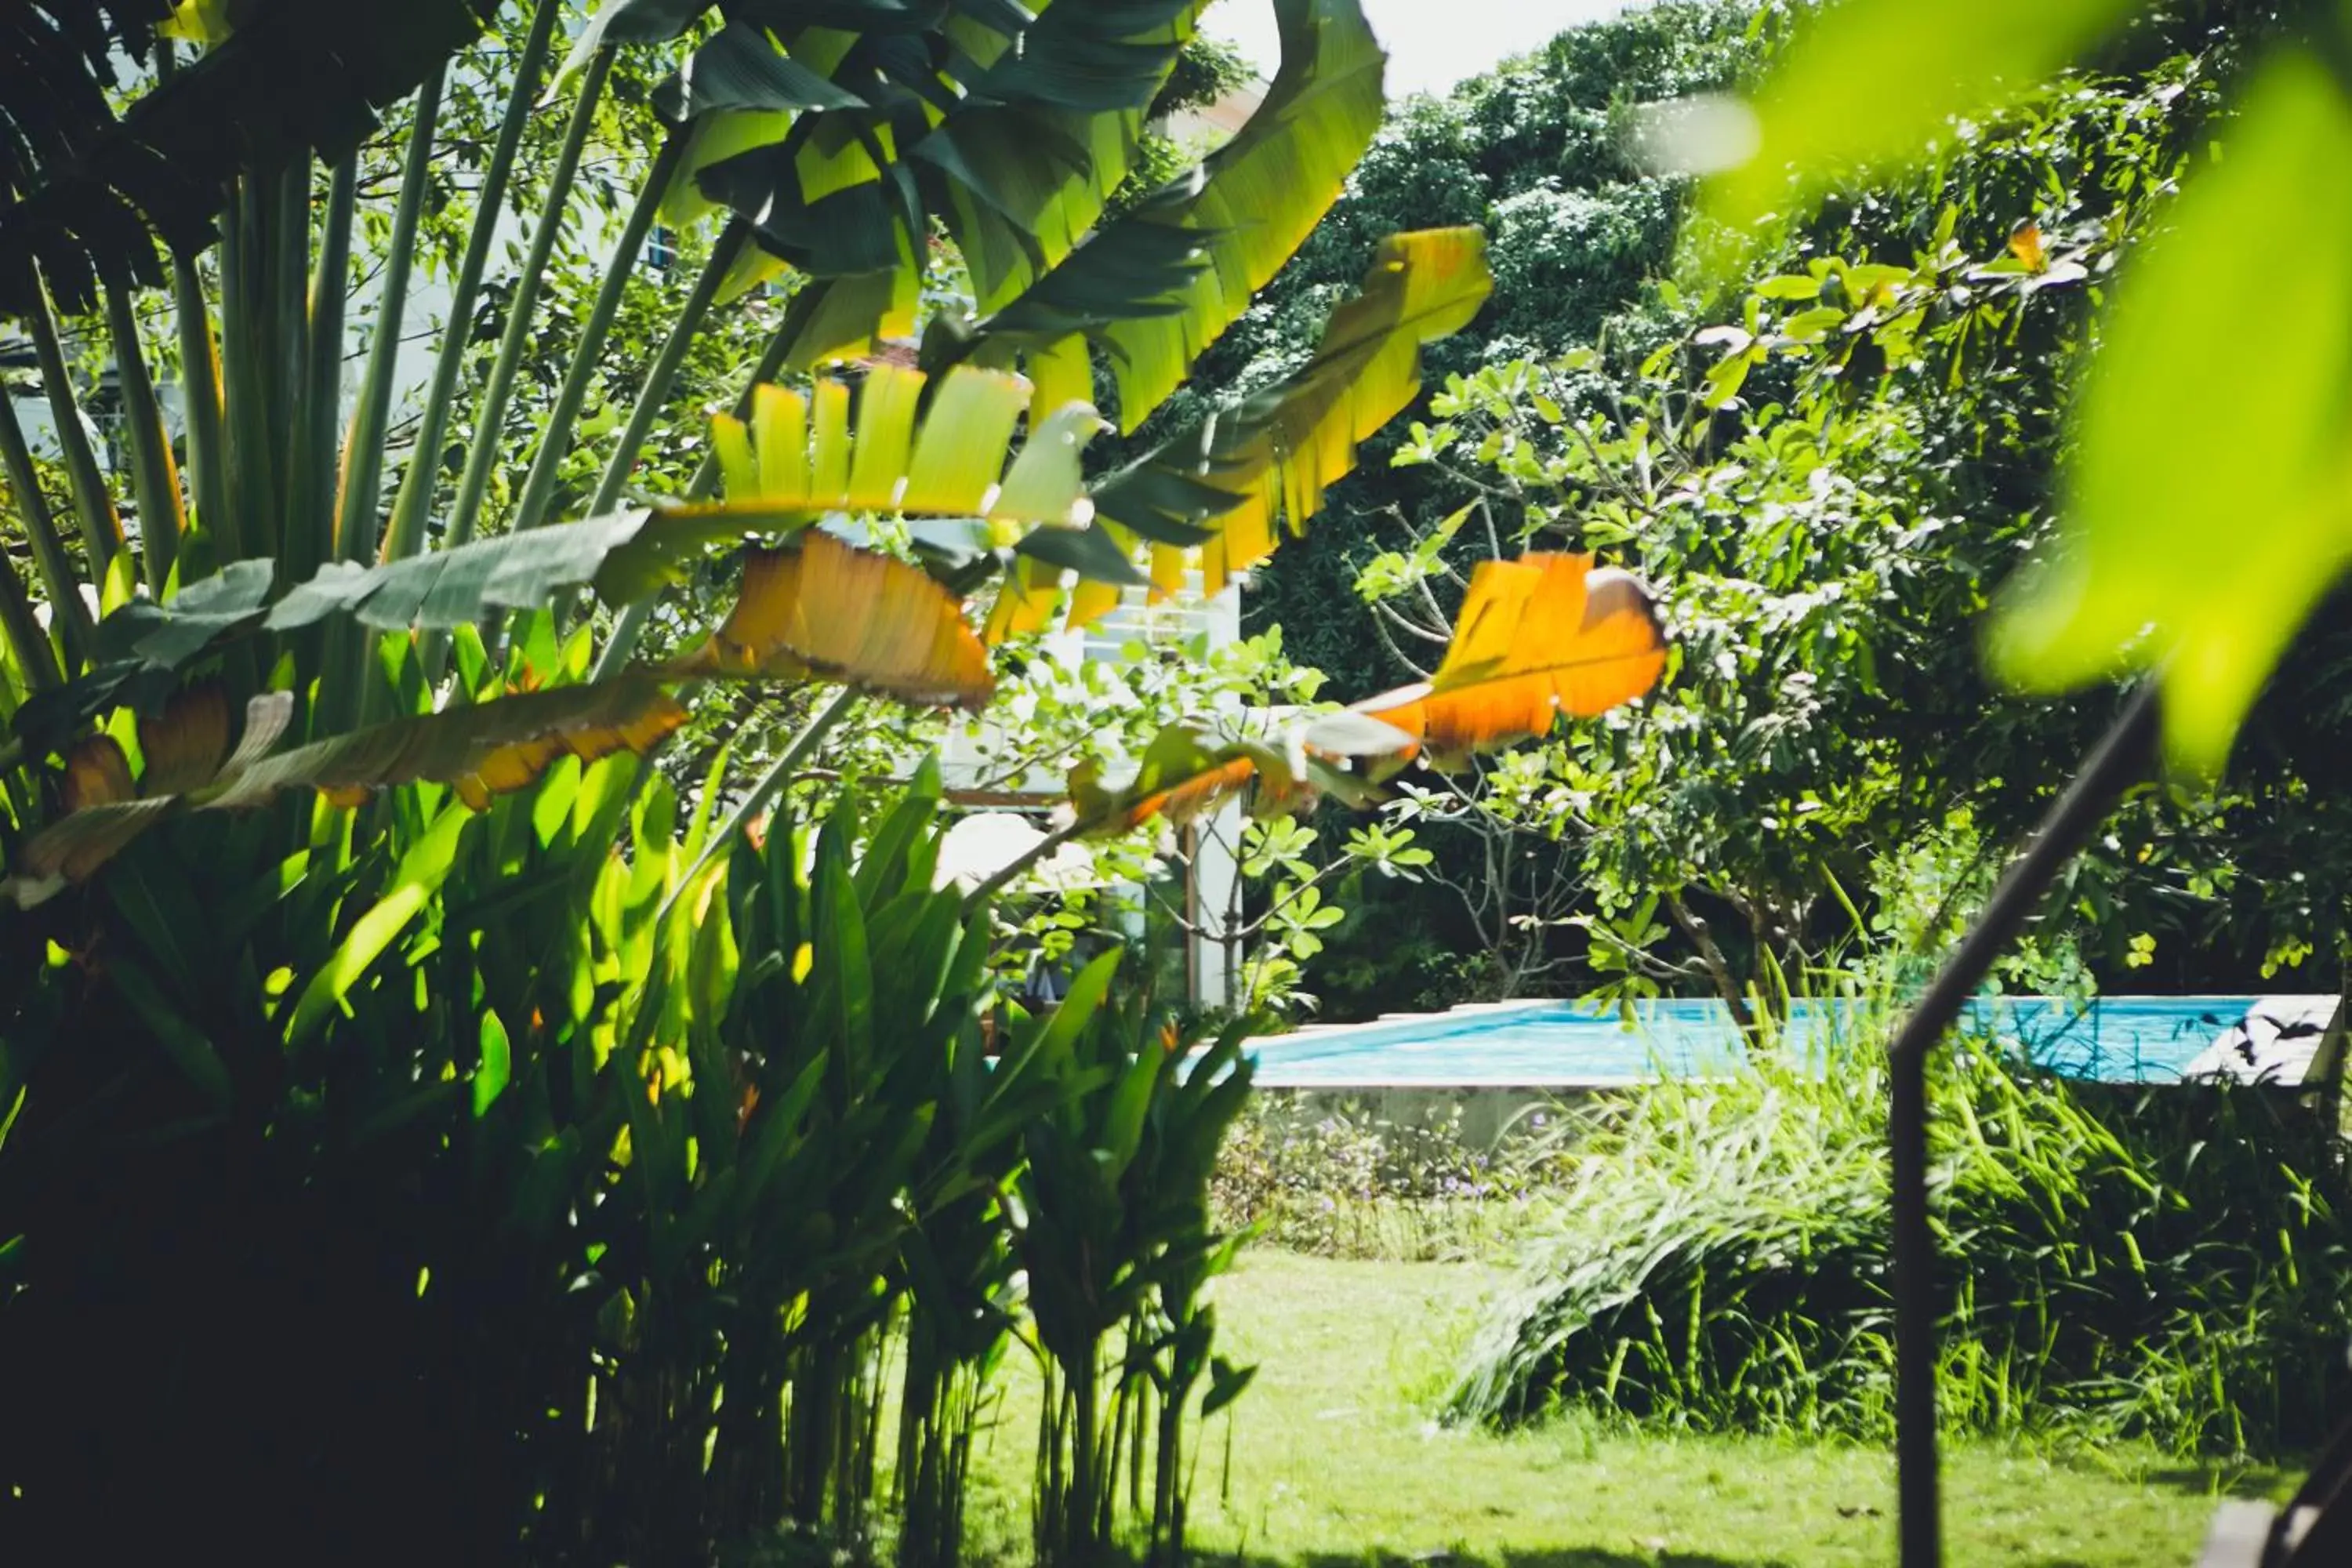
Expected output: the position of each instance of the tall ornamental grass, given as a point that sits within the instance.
(2167, 1263)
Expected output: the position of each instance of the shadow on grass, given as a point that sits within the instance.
(2269, 1481)
(1513, 1557)
(1545, 1557)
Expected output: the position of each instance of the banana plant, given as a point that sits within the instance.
(812, 606)
(839, 148)
(1114, 1235)
(382, 957)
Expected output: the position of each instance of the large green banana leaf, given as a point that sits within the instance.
(1271, 457)
(1157, 286)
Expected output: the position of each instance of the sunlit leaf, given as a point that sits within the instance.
(1161, 283)
(802, 454)
(481, 749)
(1284, 446)
(831, 610)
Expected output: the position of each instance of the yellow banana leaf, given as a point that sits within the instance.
(799, 453)
(481, 750)
(1282, 448)
(831, 610)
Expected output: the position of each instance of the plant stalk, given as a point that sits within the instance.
(49, 558)
(779, 773)
(630, 627)
(465, 516)
(555, 435)
(415, 498)
(310, 487)
(356, 527)
(27, 641)
(346, 683)
(200, 392)
(154, 481)
(101, 530)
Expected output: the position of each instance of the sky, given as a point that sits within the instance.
(1432, 43)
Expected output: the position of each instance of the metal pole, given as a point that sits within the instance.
(2121, 758)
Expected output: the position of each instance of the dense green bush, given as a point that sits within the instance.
(581, 1238)
(2169, 1263)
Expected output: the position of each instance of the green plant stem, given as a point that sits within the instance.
(630, 627)
(1013, 868)
(765, 789)
(355, 530)
(415, 498)
(652, 395)
(555, 435)
(66, 610)
(465, 515)
(310, 484)
(663, 375)
(346, 691)
(200, 395)
(154, 480)
(289, 311)
(27, 641)
(101, 530)
(248, 459)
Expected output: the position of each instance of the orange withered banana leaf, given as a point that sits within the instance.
(1536, 637)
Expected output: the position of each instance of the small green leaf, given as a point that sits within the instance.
(497, 1068)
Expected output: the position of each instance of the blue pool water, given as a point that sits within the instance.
(2118, 1040)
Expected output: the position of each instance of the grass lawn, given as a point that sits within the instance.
(1335, 1459)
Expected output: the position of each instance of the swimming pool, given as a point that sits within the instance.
(2116, 1039)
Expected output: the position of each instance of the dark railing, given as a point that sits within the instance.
(2123, 758)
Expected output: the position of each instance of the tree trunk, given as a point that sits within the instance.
(1718, 968)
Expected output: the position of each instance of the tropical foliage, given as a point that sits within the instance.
(388, 1050)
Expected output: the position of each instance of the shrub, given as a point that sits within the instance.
(2164, 1263)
